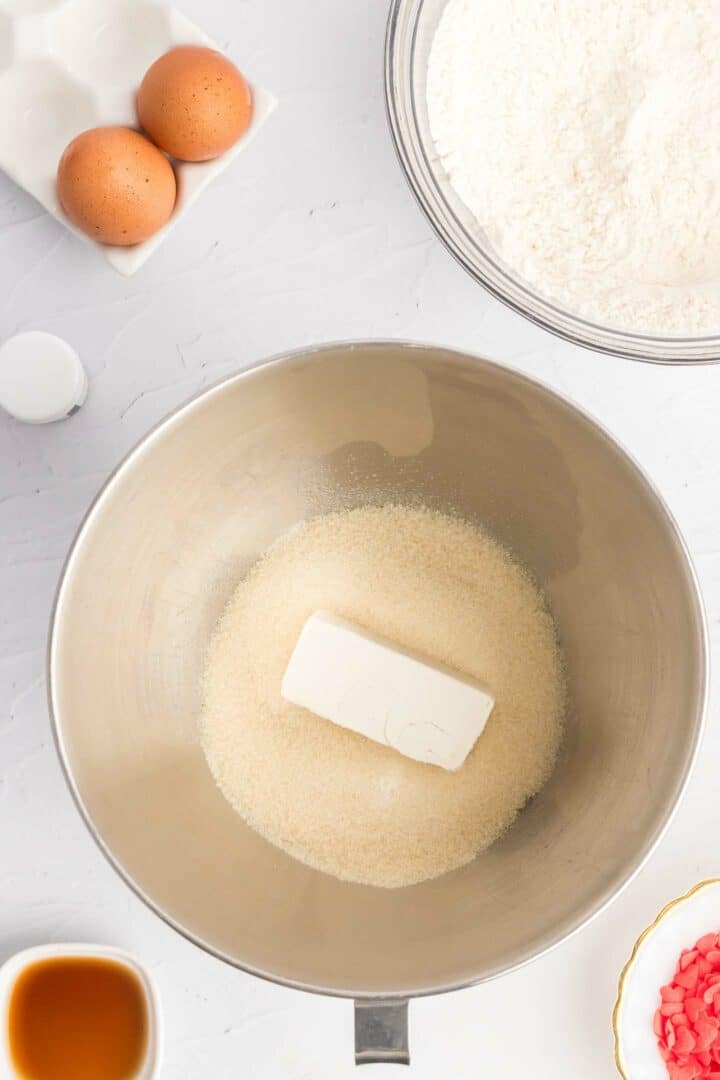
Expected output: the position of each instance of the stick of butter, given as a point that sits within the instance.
(367, 684)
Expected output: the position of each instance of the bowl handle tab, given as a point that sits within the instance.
(381, 1032)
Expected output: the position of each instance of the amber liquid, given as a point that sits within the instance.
(77, 1018)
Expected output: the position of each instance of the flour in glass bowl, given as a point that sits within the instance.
(583, 137)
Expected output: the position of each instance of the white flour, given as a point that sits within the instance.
(583, 136)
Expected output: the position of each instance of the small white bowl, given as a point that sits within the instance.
(651, 965)
(20, 962)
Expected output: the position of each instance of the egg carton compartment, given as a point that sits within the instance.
(50, 109)
(70, 65)
(126, 36)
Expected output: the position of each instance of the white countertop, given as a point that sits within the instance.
(312, 235)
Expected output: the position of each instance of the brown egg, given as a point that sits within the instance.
(115, 185)
(194, 103)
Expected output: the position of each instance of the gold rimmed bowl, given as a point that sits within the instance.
(651, 965)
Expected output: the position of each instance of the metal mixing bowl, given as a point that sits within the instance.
(411, 28)
(194, 505)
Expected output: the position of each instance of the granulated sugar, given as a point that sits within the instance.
(340, 802)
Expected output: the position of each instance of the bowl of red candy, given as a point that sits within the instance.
(667, 1013)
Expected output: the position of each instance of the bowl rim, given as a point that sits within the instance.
(629, 964)
(619, 338)
(296, 357)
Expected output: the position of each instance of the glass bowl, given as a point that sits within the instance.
(411, 28)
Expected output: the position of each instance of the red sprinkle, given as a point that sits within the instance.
(687, 1020)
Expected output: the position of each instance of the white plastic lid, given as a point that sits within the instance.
(41, 378)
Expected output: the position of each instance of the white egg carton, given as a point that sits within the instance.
(70, 65)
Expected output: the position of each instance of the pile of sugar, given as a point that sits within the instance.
(582, 136)
(334, 799)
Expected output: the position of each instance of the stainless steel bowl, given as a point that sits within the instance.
(195, 504)
(411, 28)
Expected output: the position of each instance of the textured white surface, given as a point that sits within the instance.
(312, 237)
